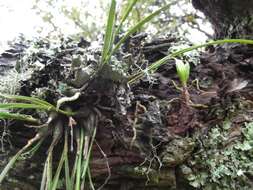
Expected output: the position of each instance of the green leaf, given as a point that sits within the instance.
(26, 98)
(44, 178)
(36, 104)
(108, 41)
(183, 71)
(23, 106)
(90, 179)
(80, 160)
(9, 166)
(59, 168)
(137, 27)
(33, 150)
(87, 161)
(164, 60)
(68, 181)
(129, 8)
(49, 169)
(13, 160)
(17, 116)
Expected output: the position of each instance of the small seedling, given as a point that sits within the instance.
(183, 71)
(154, 66)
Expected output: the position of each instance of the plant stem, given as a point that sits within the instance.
(185, 96)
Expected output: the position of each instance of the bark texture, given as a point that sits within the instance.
(230, 18)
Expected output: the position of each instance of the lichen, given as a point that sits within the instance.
(223, 163)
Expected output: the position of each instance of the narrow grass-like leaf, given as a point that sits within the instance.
(86, 162)
(9, 166)
(23, 106)
(79, 163)
(14, 159)
(131, 4)
(68, 181)
(17, 116)
(136, 27)
(108, 41)
(164, 60)
(73, 174)
(59, 168)
(49, 170)
(90, 179)
(26, 98)
(44, 178)
(33, 150)
(36, 104)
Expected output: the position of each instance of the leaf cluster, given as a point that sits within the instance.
(26, 102)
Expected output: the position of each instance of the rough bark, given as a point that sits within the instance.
(230, 18)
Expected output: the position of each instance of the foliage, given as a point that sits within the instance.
(80, 15)
(154, 66)
(34, 103)
(61, 16)
(223, 164)
(109, 49)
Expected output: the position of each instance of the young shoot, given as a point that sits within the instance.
(183, 71)
(154, 66)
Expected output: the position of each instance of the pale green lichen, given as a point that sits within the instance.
(223, 163)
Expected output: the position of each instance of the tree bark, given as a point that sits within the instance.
(230, 18)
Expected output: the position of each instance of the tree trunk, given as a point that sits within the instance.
(147, 137)
(230, 18)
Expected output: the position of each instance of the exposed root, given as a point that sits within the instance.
(176, 86)
(41, 134)
(71, 123)
(137, 109)
(49, 170)
(134, 124)
(67, 99)
(198, 105)
(57, 134)
(172, 100)
(107, 165)
(196, 82)
(151, 159)
(50, 119)
(5, 136)
(86, 147)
